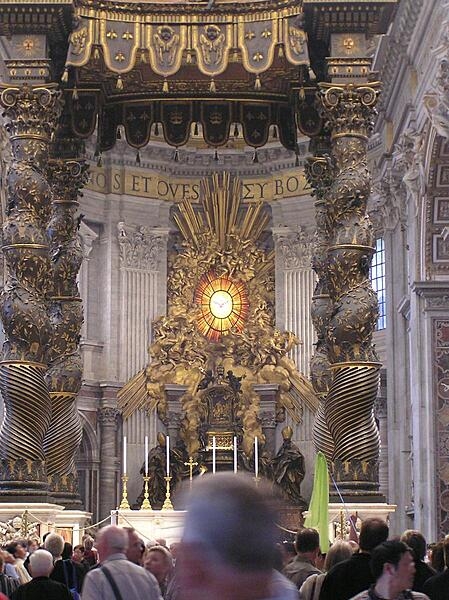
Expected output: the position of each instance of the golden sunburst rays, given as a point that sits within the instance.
(224, 305)
(221, 204)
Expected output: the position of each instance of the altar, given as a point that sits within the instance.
(152, 524)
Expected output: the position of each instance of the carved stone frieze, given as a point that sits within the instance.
(140, 247)
(388, 208)
(410, 156)
(295, 247)
(437, 101)
(268, 418)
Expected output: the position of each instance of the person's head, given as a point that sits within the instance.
(111, 540)
(416, 541)
(436, 555)
(67, 551)
(78, 553)
(338, 552)
(307, 542)
(18, 549)
(228, 547)
(41, 563)
(88, 542)
(32, 545)
(287, 551)
(136, 547)
(159, 562)
(54, 543)
(373, 532)
(392, 565)
(174, 550)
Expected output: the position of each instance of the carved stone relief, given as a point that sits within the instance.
(139, 247)
(294, 246)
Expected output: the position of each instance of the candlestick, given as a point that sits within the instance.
(214, 454)
(124, 504)
(146, 456)
(124, 455)
(146, 497)
(256, 457)
(167, 444)
(235, 454)
(167, 502)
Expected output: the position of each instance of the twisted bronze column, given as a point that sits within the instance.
(319, 175)
(31, 114)
(66, 316)
(349, 110)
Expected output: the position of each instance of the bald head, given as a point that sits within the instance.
(111, 540)
(234, 520)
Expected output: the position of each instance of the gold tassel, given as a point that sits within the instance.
(297, 160)
(119, 134)
(195, 129)
(65, 76)
(96, 53)
(281, 51)
(165, 86)
(99, 161)
(216, 155)
(119, 84)
(257, 84)
(176, 155)
(275, 132)
(143, 58)
(188, 57)
(302, 93)
(75, 93)
(138, 158)
(212, 86)
(156, 129)
(236, 130)
(255, 157)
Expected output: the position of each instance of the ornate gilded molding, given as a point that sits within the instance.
(140, 247)
(204, 40)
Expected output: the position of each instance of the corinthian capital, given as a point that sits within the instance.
(31, 110)
(140, 247)
(67, 177)
(437, 101)
(349, 108)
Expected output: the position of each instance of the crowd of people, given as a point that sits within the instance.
(229, 551)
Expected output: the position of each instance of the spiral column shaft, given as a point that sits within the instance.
(348, 411)
(319, 176)
(66, 315)
(31, 114)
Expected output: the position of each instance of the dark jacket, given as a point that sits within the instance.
(42, 588)
(348, 578)
(8, 585)
(437, 587)
(58, 573)
(422, 573)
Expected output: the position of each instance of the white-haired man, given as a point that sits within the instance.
(41, 586)
(117, 578)
(229, 543)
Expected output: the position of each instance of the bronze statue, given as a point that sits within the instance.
(288, 468)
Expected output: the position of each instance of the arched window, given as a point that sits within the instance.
(378, 281)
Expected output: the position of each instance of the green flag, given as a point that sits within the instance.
(318, 515)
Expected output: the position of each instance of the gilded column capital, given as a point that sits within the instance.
(68, 177)
(31, 110)
(350, 109)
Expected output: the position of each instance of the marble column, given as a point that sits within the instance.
(108, 418)
(32, 113)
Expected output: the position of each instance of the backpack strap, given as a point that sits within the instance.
(112, 583)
